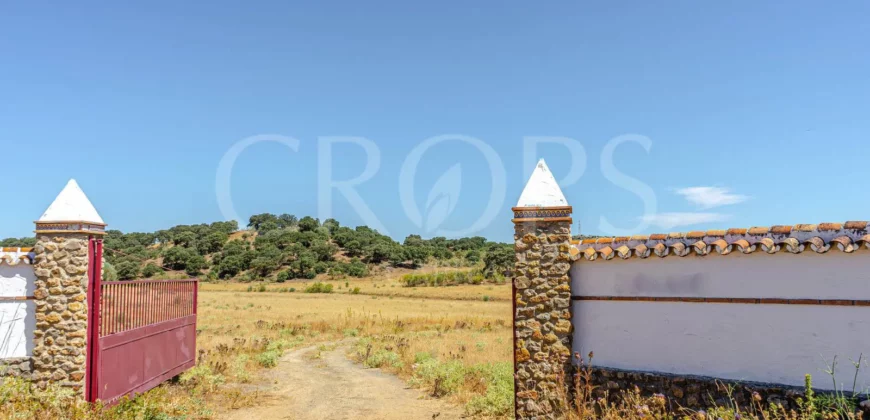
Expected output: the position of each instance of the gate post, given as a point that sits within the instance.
(61, 268)
(542, 297)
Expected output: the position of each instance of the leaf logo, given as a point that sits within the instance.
(443, 198)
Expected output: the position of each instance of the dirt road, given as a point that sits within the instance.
(332, 387)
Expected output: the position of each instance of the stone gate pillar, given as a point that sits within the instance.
(542, 297)
(61, 268)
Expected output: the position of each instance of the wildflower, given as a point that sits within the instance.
(756, 397)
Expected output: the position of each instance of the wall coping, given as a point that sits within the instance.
(846, 237)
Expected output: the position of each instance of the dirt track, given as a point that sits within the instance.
(332, 387)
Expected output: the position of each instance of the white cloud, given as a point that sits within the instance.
(710, 197)
(672, 220)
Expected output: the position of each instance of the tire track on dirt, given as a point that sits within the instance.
(333, 387)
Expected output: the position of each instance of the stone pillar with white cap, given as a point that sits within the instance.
(61, 267)
(542, 298)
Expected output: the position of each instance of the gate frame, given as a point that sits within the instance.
(95, 270)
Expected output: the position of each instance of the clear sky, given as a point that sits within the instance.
(755, 113)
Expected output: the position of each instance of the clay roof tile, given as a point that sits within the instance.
(856, 225)
(803, 227)
(758, 230)
(830, 226)
(780, 229)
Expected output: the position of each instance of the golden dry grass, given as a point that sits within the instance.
(237, 327)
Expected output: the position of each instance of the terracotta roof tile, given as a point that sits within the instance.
(855, 225)
(830, 226)
(780, 229)
(848, 237)
(758, 230)
(696, 234)
(804, 227)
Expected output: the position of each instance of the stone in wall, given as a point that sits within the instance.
(61, 267)
(542, 318)
(694, 392)
(19, 367)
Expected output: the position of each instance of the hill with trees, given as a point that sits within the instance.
(283, 247)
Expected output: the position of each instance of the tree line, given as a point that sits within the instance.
(283, 247)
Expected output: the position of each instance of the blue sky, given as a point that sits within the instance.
(756, 114)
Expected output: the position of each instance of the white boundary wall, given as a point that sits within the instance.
(17, 318)
(777, 343)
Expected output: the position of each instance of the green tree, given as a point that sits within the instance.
(331, 224)
(176, 257)
(212, 243)
(109, 272)
(267, 260)
(230, 266)
(287, 221)
(308, 223)
(417, 255)
(127, 270)
(186, 239)
(499, 260)
(151, 270)
(323, 250)
(256, 221)
(194, 264)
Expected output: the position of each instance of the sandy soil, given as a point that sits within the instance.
(333, 387)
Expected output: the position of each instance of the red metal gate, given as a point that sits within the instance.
(140, 333)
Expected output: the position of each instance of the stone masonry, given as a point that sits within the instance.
(542, 321)
(61, 268)
(19, 367)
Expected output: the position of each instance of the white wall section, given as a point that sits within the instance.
(17, 318)
(743, 342)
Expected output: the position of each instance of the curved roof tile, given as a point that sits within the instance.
(15, 256)
(848, 237)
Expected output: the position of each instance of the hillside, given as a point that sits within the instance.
(283, 247)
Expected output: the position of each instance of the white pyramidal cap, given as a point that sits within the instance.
(71, 205)
(542, 190)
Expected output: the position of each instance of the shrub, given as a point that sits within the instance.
(319, 287)
(355, 291)
(442, 379)
(499, 398)
(282, 277)
(383, 358)
(269, 358)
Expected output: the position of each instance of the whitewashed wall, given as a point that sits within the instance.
(745, 342)
(17, 319)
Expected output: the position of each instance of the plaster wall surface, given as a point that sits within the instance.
(808, 275)
(775, 343)
(17, 318)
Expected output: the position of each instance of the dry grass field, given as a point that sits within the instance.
(450, 342)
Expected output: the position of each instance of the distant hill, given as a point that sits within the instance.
(282, 247)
